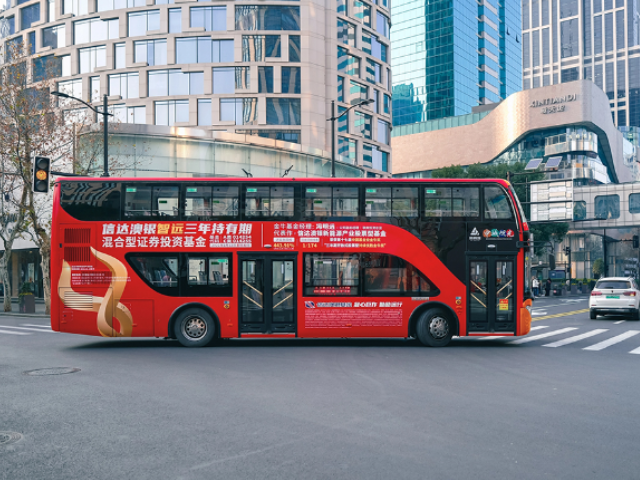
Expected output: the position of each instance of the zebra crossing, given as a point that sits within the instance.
(594, 334)
(25, 329)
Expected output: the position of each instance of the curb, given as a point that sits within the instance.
(24, 315)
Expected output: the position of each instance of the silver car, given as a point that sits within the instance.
(615, 296)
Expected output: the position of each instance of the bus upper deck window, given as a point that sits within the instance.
(496, 204)
(377, 202)
(282, 201)
(224, 202)
(137, 201)
(465, 201)
(405, 202)
(197, 201)
(257, 201)
(345, 201)
(437, 201)
(317, 201)
(165, 200)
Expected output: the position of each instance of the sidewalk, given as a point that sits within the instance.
(15, 310)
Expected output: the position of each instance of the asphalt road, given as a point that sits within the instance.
(298, 409)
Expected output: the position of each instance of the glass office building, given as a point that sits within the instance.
(267, 69)
(597, 40)
(452, 56)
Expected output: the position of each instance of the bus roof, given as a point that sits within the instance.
(502, 182)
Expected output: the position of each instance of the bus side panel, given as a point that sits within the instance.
(56, 260)
(376, 316)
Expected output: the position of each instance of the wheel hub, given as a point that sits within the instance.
(195, 327)
(438, 327)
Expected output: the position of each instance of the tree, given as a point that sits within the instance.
(30, 124)
(598, 267)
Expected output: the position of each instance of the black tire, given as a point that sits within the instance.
(592, 314)
(435, 328)
(194, 327)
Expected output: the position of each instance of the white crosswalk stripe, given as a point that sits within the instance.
(542, 335)
(46, 327)
(612, 341)
(537, 327)
(9, 332)
(42, 330)
(577, 338)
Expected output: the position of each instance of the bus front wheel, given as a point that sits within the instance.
(195, 328)
(435, 328)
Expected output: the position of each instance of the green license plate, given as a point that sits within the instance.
(613, 296)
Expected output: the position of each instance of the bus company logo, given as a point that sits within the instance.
(510, 233)
(495, 233)
(502, 234)
(486, 233)
(309, 305)
(474, 236)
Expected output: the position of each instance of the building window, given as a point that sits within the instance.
(569, 75)
(95, 30)
(72, 88)
(203, 50)
(373, 72)
(210, 18)
(154, 52)
(347, 149)
(346, 33)
(569, 38)
(255, 48)
(7, 26)
(92, 58)
(362, 12)
(378, 50)
(607, 207)
(634, 203)
(175, 20)
(341, 89)
(294, 48)
(77, 7)
(171, 112)
(382, 24)
(383, 132)
(94, 87)
(347, 63)
(343, 120)
(253, 17)
(358, 93)
(32, 42)
(142, 22)
(362, 124)
(163, 83)
(53, 37)
(66, 65)
(223, 80)
(125, 84)
(46, 67)
(283, 111)
(125, 114)
(242, 111)
(204, 112)
(580, 210)
(343, 7)
(292, 136)
(104, 5)
(290, 79)
(29, 15)
(387, 105)
(119, 54)
(265, 79)
(380, 160)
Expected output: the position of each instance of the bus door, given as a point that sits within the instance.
(268, 293)
(491, 294)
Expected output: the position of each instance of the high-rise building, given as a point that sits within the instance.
(597, 40)
(449, 57)
(268, 69)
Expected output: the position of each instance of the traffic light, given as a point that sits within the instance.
(41, 174)
(552, 261)
(567, 250)
(636, 241)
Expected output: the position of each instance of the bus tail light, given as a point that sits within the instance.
(630, 294)
(595, 294)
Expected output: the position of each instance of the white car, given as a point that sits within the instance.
(615, 296)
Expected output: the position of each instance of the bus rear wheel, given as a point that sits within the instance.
(435, 328)
(195, 328)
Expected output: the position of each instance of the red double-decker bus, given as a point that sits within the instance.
(200, 259)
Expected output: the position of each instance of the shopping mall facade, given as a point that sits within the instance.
(568, 123)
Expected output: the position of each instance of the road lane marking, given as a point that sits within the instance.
(619, 322)
(612, 341)
(542, 335)
(9, 332)
(575, 312)
(635, 351)
(577, 338)
(42, 330)
(538, 327)
(537, 314)
(34, 325)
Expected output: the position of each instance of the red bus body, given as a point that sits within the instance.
(95, 290)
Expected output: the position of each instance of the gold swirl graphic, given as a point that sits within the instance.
(103, 305)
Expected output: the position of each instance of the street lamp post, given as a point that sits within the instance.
(106, 115)
(333, 129)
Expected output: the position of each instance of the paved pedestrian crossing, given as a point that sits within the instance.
(592, 335)
(25, 329)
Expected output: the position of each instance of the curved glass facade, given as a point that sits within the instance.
(269, 69)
